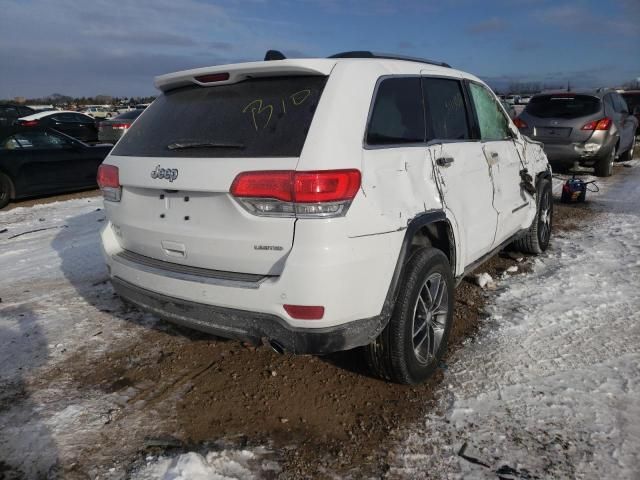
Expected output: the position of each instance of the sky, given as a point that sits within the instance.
(91, 47)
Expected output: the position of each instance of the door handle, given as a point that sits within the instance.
(444, 161)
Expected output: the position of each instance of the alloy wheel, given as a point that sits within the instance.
(429, 318)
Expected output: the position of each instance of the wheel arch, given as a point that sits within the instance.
(428, 229)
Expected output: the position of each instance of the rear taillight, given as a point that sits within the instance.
(304, 312)
(120, 126)
(109, 182)
(602, 124)
(323, 193)
(28, 123)
(520, 123)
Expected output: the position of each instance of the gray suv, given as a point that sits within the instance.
(591, 128)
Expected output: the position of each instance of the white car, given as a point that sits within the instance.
(319, 205)
(97, 112)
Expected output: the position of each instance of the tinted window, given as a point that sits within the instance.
(619, 104)
(64, 117)
(491, 120)
(398, 115)
(33, 141)
(267, 117)
(130, 115)
(24, 111)
(608, 104)
(563, 106)
(78, 117)
(445, 109)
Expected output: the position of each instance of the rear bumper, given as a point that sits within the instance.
(585, 153)
(349, 278)
(253, 327)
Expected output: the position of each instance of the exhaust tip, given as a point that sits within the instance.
(276, 347)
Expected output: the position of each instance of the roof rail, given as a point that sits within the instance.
(390, 56)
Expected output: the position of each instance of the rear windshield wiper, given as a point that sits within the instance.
(186, 145)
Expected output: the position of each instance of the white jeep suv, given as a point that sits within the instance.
(320, 205)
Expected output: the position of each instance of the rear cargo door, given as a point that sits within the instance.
(178, 162)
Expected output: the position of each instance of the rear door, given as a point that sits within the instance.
(503, 160)
(178, 161)
(625, 123)
(463, 176)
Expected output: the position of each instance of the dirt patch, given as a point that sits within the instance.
(320, 414)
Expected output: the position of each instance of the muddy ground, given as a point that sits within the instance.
(186, 390)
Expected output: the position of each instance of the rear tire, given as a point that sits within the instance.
(6, 190)
(604, 167)
(628, 155)
(537, 238)
(410, 347)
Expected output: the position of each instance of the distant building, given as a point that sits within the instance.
(19, 99)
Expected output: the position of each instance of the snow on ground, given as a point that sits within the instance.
(550, 388)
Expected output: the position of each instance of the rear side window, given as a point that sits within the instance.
(619, 104)
(397, 115)
(445, 109)
(563, 106)
(267, 117)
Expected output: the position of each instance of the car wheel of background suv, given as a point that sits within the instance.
(537, 238)
(6, 187)
(410, 347)
(604, 167)
(628, 155)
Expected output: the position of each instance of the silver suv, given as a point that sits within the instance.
(591, 128)
(319, 205)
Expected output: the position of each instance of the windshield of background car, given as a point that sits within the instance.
(563, 106)
(261, 117)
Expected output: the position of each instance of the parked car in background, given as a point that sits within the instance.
(142, 106)
(524, 99)
(299, 214)
(632, 97)
(591, 128)
(110, 131)
(38, 161)
(74, 124)
(511, 99)
(10, 112)
(97, 111)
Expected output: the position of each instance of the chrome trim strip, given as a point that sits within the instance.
(188, 273)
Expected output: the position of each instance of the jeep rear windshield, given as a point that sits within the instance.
(266, 117)
(563, 106)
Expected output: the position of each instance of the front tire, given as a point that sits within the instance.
(537, 238)
(6, 190)
(410, 347)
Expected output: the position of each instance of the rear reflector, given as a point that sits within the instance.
(304, 312)
(214, 77)
(520, 123)
(109, 182)
(323, 193)
(602, 124)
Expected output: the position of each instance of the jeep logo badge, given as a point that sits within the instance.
(167, 173)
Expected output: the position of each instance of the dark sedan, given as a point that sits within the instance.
(76, 125)
(36, 161)
(110, 131)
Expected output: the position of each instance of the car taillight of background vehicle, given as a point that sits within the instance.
(278, 193)
(28, 123)
(520, 123)
(109, 182)
(120, 126)
(602, 124)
